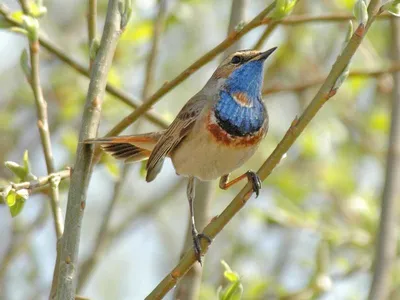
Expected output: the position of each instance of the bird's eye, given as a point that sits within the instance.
(236, 60)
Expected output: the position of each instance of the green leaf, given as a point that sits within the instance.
(32, 26)
(231, 276)
(94, 47)
(27, 165)
(17, 16)
(235, 289)
(11, 198)
(36, 10)
(24, 61)
(18, 170)
(392, 7)
(360, 11)
(282, 9)
(22, 172)
(232, 292)
(18, 206)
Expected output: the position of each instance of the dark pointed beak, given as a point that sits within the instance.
(264, 55)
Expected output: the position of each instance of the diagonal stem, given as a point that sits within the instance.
(297, 127)
(43, 125)
(69, 247)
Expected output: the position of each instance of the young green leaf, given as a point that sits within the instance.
(32, 26)
(24, 62)
(282, 9)
(37, 10)
(361, 12)
(18, 170)
(11, 198)
(18, 205)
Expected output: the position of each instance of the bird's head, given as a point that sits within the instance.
(242, 71)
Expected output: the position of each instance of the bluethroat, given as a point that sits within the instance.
(215, 133)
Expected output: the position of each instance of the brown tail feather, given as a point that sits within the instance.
(144, 141)
(126, 152)
(130, 148)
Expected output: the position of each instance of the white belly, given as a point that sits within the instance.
(202, 157)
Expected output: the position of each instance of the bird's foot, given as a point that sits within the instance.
(197, 243)
(255, 182)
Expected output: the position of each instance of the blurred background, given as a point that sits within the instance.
(311, 232)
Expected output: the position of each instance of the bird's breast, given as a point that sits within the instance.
(221, 136)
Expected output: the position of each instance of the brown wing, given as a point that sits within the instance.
(178, 129)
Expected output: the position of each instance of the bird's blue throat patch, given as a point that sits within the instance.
(236, 119)
(241, 118)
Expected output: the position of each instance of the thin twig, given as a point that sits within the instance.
(158, 27)
(40, 182)
(152, 116)
(218, 223)
(237, 17)
(92, 24)
(278, 88)
(387, 235)
(89, 264)
(68, 262)
(43, 125)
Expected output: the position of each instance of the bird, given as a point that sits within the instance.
(214, 133)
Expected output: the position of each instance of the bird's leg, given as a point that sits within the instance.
(195, 235)
(250, 175)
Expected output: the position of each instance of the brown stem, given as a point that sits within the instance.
(387, 234)
(297, 127)
(43, 125)
(68, 259)
(40, 182)
(92, 24)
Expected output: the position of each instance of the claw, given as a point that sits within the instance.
(255, 182)
(196, 243)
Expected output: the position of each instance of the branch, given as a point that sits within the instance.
(68, 263)
(92, 25)
(101, 239)
(387, 235)
(158, 27)
(43, 124)
(83, 70)
(278, 88)
(338, 17)
(218, 223)
(237, 17)
(40, 182)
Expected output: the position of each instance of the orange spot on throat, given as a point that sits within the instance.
(242, 99)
